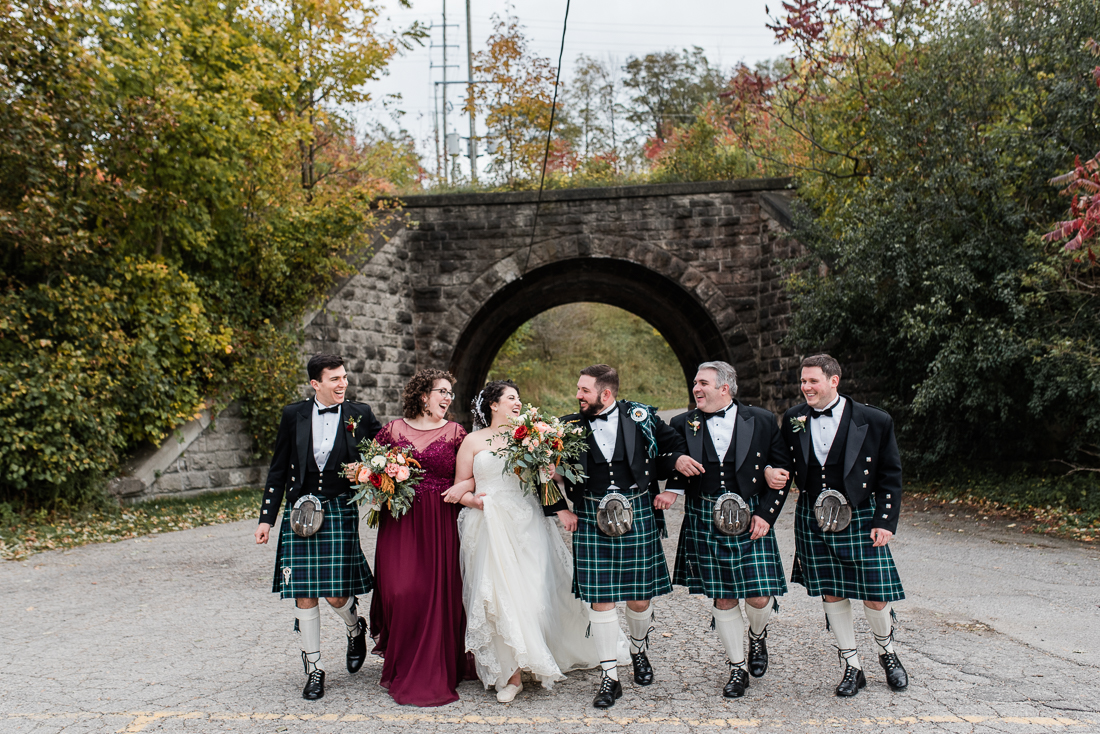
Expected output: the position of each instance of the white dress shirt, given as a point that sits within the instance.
(823, 429)
(606, 433)
(721, 430)
(325, 428)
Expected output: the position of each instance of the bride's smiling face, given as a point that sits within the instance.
(507, 407)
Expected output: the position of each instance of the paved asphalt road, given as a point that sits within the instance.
(177, 632)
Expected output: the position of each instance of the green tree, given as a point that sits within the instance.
(668, 88)
(931, 147)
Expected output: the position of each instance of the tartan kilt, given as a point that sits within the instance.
(726, 566)
(328, 563)
(844, 564)
(631, 567)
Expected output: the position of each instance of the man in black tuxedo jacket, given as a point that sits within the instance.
(624, 442)
(839, 444)
(729, 446)
(316, 438)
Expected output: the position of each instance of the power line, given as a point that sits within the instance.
(549, 130)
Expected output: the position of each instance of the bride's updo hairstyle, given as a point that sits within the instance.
(481, 406)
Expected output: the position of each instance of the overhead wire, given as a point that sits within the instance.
(549, 132)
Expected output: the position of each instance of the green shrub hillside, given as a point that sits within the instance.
(176, 187)
(545, 356)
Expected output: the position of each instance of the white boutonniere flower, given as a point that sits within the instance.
(695, 424)
(799, 423)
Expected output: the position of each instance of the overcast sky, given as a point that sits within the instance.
(728, 31)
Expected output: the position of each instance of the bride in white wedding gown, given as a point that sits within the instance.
(517, 573)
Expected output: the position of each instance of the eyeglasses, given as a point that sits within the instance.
(444, 392)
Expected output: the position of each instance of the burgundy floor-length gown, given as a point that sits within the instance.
(416, 615)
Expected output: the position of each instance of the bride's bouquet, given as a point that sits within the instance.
(384, 475)
(536, 446)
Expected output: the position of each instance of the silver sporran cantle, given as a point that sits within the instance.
(614, 516)
(307, 516)
(731, 514)
(832, 511)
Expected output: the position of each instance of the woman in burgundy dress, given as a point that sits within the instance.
(416, 615)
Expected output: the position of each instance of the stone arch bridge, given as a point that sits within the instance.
(462, 272)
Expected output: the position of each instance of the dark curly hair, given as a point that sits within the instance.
(490, 394)
(417, 389)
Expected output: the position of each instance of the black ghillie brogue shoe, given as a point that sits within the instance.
(853, 680)
(610, 691)
(738, 683)
(315, 685)
(643, 671)
(758, 654)
(896, 677)
(357, 647)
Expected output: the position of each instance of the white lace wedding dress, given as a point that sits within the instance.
(517, 577)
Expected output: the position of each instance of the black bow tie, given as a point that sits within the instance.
(332, 409)
(819, 413)
(716, 414)
(601, 416)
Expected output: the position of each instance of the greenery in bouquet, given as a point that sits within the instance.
(384, 475)
(538, 445)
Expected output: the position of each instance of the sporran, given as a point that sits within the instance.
(614, 516)
(832, 511)
(731, 514)
(307, 516)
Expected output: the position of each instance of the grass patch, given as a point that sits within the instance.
(546, 354)
(23, 535)
(1065, 506)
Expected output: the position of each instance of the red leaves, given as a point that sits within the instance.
(1083, 185)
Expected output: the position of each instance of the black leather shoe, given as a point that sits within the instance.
(896, 677)
(739, 681)
(643, 671)
(853, 680)
(315, 686)
(610, 691)
(357, 647)
(758, 654)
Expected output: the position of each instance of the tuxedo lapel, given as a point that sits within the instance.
(303, 433)
(629, 431)
(743, 432)
(856, 434)
(695, 438)
(804, 438)
(343, 445)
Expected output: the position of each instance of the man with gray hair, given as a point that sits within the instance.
(728, 548)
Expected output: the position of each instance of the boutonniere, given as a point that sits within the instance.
(695, 424)
(798, 423)
(353, 424)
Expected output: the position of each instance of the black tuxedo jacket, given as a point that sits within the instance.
(872, 463)
(290, 458)
(757, 444)
(643, 467)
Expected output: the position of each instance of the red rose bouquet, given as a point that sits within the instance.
(536, 446)
(384, 475)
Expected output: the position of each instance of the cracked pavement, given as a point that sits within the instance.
(177, 632)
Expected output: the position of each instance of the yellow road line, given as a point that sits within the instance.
(139, 720)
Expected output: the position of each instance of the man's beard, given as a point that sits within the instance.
(592, 410)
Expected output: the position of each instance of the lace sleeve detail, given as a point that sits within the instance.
(458, 435)
(385, 436)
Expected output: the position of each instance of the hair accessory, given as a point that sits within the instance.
(479, 417)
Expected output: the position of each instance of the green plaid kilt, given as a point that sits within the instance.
(631, 567)
(726, 566)
(328, 563)
(844, 564)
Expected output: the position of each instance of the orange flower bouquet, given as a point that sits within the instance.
(384, 475)
(537, 446)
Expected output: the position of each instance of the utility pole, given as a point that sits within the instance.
(470, 93)
(444, 92)
(440, 137)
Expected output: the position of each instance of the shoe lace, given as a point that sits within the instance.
(315, 677)
(735, 667)
(642, 644)
(757, 641)
(607, 683)
(884, 641)
(846, 655)
(890, 661)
